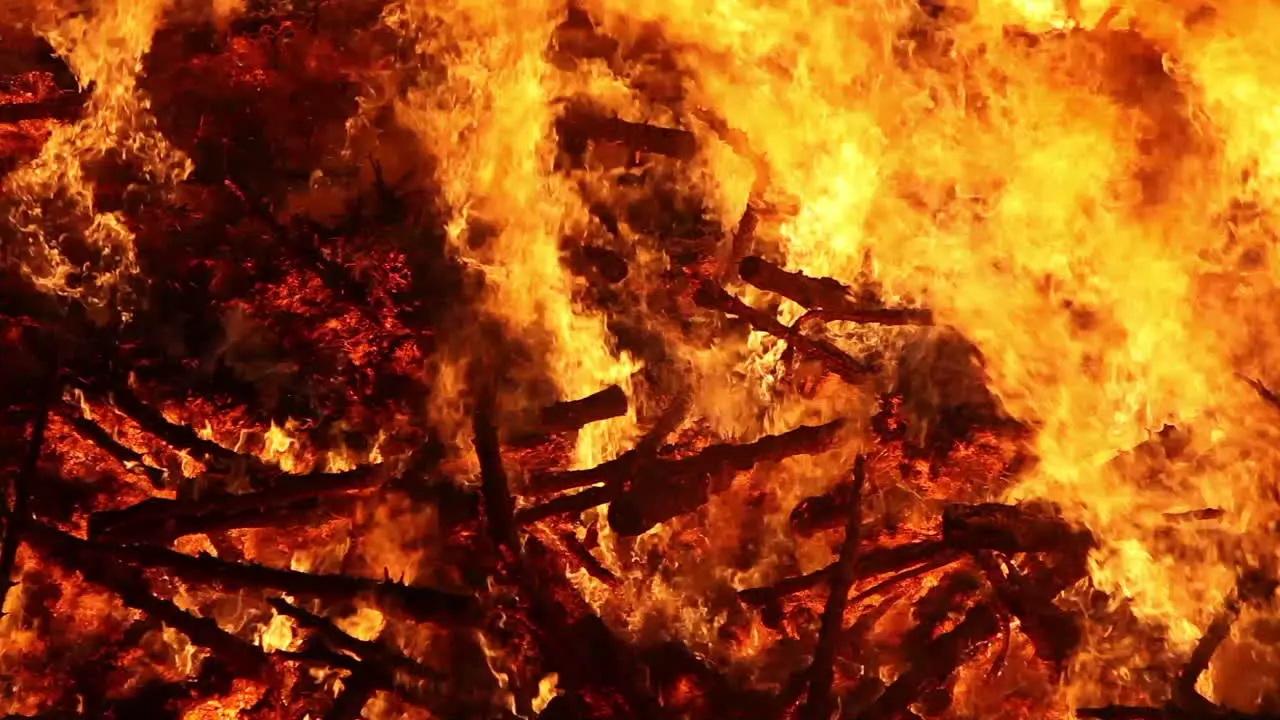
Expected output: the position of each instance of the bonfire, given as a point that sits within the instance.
(602, 360)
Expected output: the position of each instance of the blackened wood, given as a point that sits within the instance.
(622, 467)
(823, 512)
(829, 295)
(495, 492)
(1054, 633)
(367, 650)
(818, 703)
(64, 106)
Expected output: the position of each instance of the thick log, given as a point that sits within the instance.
(1024, 527)
(836, 361)
(666, 489)
(818, 704)
(579, 126)
(574, 414)
(832, 297)
(943, 657)
(620, 468)
(368, 651)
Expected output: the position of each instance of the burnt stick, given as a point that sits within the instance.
(573, 414)
(617, 472)
(1054, 633)
(367, 650)
(829, 295)
(818, 703)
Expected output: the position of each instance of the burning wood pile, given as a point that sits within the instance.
(748, 360)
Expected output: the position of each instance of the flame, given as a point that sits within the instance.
(105, 48)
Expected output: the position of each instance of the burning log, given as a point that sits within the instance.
(833, 298)
(368, 651)
(942, 658)
(823, 512)
(621, 467)
(1012, 528)
(666, 489)
(873, 562)
(574, 414)
(818, 704)
(711, 296)
(1055, 633)
(580, 126)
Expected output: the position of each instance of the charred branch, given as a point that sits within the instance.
(622, 467)
(873, 562)
(1054, 633)
(575, 414)
(64, 106)
(834, 299)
